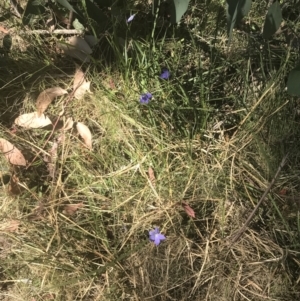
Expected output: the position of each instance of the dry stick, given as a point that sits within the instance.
(243, 229)
(56, 31)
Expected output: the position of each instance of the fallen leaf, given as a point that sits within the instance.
(13, 187)
(80, 85)
(189, 211)
(46, 97)
(33, 121)
(11, 153)
(151, 175)
(71, 209)
(68, 124)
(85, 134)
(76, 47)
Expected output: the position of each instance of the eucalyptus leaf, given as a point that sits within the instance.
(76, 47)
(273, 20)
(178, 8)
(104, 3)
(236, 11)
(293, 83)
(66, 4)
(33, 11)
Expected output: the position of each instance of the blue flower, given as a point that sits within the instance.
(131, 18)
(145, 98)
(156, 236)
(165, 74)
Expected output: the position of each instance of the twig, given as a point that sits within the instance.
(56, 31)
(237, 236)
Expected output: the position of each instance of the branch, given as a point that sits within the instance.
(240, 232)
(56, 31)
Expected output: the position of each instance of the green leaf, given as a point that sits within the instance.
(273, 20)
(236, 11)
(77, 25)
(178, 8)
(66, 4)
(293, 83)
(34, 9)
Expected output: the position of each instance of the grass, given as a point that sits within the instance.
(214, 135)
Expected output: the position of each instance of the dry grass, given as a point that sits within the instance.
(214, 134)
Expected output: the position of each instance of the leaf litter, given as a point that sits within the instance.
(189, 211)
(33, 121)
(85, 134)
(11, 153)
(80, 84)
(46, 97)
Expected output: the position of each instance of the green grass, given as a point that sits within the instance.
(214, 135)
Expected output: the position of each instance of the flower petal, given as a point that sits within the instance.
(131, 18)
(165, 74)
(161, 237)
(156, 230)
(145, 98)
(157, 240)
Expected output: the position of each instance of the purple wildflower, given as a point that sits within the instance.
(145, 98)
(165, 74)
(156, 236)
(131, 18)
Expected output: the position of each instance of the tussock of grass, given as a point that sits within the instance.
(214, 134)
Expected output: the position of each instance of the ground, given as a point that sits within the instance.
(194, 161)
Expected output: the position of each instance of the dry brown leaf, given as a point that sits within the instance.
(46, 97)
(151, 175)
(68, 124)
(11, 153)
(80, 85)
(189, 211)
(71, 209)
(85, 134)
(32, 121)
